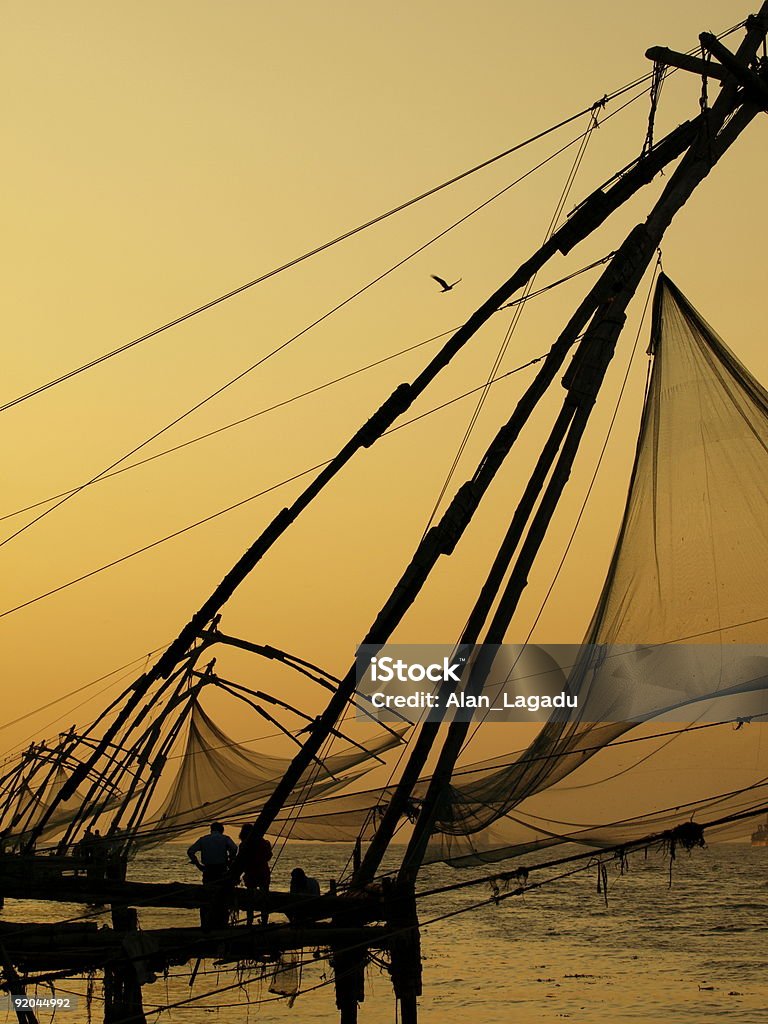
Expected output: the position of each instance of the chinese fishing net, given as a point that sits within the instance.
(670, 730)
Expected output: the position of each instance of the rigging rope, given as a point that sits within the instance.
(209, 397)
(252, 497)
(515, 320)
(302, 394)
(657, 83)
(340, 305)
(80, 689)
(608, 97)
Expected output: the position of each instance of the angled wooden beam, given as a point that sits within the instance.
(684, 61)
(754, 84)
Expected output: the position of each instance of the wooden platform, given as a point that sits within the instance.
(85, 946)
(366, 907)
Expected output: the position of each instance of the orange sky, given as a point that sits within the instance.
(158, 156)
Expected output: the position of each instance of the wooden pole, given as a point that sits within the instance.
(686, 62)
(158, 761)
(349, 982)
(405, 950)
(115, 769)
(122, 988)
(428, 733)
(348, 962)
(23, 814)
(122, 995)
(590, 376)
(752, 82)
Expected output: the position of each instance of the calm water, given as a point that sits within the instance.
(694, 953)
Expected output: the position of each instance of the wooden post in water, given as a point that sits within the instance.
(405, 950)
(348, 964)
(15, 987)
(122, 988)
(349, 981)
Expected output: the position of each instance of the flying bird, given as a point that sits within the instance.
(444, 284)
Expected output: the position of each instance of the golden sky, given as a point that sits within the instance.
(158, 155)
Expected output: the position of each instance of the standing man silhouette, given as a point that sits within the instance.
(212, 856)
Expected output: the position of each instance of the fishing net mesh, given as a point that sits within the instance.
(689, 569)
(685, 604)
(219, 779)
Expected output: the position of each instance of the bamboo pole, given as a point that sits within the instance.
(429, 730)
(123, 1002)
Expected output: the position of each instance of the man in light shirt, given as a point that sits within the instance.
(212, 855)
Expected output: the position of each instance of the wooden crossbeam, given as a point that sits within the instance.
(684, 61)
(188, 895)
(37, 947)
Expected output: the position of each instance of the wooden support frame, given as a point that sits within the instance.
(755, 86)
(586, 219)
(726, 120)
(744, 93)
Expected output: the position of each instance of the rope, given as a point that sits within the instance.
(312, 252)
(631, 845)
(298, 397)
(340, 305)
(244, 501)
(608, 97)
(585, 138)
(657, 83)
(562, 280)
(236, 423)
(295, 398)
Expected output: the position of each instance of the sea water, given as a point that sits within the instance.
(693, 952)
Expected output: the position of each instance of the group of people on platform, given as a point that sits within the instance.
(101, 857)
(221, 861)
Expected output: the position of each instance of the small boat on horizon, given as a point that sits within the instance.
(760, 835)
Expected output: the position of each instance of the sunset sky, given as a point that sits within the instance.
(158, 156)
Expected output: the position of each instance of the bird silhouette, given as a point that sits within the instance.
(444, 284)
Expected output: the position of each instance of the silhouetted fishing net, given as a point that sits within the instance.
(32, 801)
(690, 569)
(220, 779)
